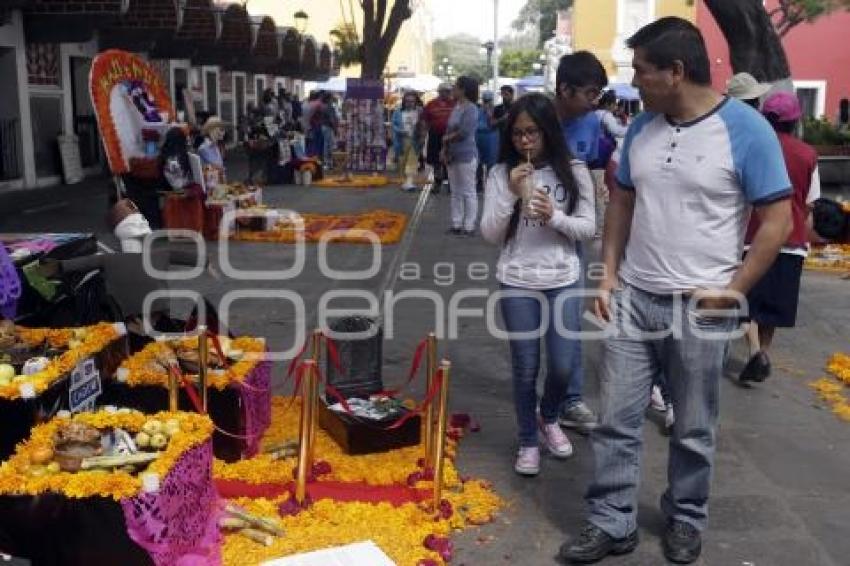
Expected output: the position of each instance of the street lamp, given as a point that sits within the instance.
(301, 18)
(488, 48)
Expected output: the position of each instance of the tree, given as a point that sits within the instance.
(464, 54)
(517, 63)
(790, 13)
(347, 43)
(380, 32)
(754, 34)
(542, 14)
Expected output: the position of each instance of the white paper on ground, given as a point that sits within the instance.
(356, 554)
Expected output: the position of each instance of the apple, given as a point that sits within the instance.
(158, 441)
(7, 372)
(143, 440)
(152, 427)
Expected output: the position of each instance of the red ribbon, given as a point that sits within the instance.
(435, 388)
(293, 364)
(188, 387)
(414, 370)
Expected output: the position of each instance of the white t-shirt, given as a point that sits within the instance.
(409, 118)
(694, 184)
(539, 256)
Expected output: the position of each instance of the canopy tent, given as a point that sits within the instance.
(531, 83)
(419, 83)
(334, 84)
(624, 91)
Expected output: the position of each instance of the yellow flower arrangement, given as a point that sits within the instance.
(16, 477)
(833, 258)
(387, 225)
(832, 391)
(142, 368)
(94, 339)
(354, 182)
(398, 531)
(385, 468)
(403, 528)
(839, 366)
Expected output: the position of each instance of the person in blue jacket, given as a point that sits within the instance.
(406, 121)
(486, 138)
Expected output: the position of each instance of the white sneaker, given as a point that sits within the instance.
(656, 400)
(670, 417)
(528, 461)
(556, 441)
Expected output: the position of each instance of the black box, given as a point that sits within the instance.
(361, 436)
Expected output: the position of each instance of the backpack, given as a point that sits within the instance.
(606, 147)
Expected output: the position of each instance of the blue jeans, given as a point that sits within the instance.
(563, 356)
(692, 365)
(328, 145)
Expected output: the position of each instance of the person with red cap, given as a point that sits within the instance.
(773, 300)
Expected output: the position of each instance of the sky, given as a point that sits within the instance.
(474, 17)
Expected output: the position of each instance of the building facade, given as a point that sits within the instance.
(215, 57)
(817, 52)
(603, 26)
(410, 54)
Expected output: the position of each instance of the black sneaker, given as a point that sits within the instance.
(757, 369)
(455, 232)
(682, 542)
(594, 544)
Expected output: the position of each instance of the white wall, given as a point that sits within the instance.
(12, 35)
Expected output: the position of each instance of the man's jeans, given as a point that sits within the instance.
(522, 312)
(657, 335)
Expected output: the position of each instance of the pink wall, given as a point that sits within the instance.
(816, 51)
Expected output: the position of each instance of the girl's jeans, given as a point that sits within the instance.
(526, 311)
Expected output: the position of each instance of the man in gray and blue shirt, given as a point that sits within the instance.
(693, 167)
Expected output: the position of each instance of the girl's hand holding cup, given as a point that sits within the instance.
(540, 206)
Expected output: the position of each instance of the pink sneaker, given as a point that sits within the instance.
(528, 461)
(556, 441)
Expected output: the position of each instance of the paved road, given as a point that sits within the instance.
(780, 493)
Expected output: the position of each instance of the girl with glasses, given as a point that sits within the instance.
(539, 202)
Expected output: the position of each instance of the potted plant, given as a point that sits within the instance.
(826, 138)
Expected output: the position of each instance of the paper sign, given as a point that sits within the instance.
(85, 386)
(357, 554)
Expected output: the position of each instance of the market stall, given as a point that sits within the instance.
(43, 371)
(239, 384)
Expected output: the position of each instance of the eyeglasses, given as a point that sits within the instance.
(531, 133)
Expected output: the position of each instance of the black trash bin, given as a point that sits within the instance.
(360, 358)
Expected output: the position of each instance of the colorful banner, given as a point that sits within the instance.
(363, 125)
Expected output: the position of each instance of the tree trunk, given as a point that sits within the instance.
(754, 46)
(378, 40)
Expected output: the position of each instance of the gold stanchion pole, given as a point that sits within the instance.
(440, 438)
(315, 353)
(431, 369)
(203, 364)
(173, 390)
(308, 385)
